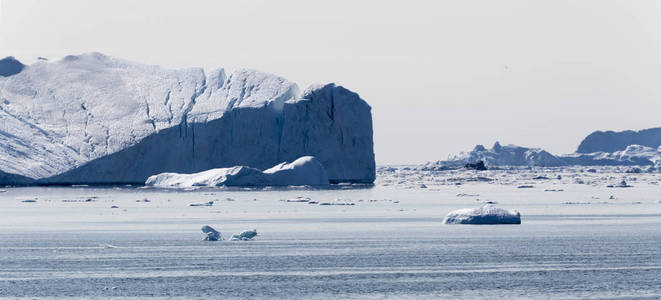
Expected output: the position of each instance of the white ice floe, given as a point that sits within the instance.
(245, 235)
(486, 214)
(211, 234)
(306, 170)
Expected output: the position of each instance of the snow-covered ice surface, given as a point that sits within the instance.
(578, 239)
(306, 170)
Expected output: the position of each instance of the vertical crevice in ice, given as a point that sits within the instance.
(149, 117)
(167, 104)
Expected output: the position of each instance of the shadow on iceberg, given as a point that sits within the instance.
(13, 179)
(487, 214)
(328, 122)
(10, 66)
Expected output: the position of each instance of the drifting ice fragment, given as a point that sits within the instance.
(622, 184)
(212, 234)
(245, 236)
(210, 203)
(486, 214)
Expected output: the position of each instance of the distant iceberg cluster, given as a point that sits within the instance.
(306, 170)
(511, 155)
(95, 119)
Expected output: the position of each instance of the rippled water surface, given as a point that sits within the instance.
(70, 243)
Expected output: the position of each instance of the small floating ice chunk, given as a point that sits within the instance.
(337, 203)
(245, 236)
(621, 184)
(210, 203)
(212, 234)
(487, 214)
(107, 246)
(298, 199)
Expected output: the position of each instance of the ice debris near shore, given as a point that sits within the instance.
(95, 119)
(306, 170)
(487, 214)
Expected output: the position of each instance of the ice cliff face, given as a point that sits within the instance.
(611, 141)
(95, 119)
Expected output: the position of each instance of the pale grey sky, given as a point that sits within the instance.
(441, 76)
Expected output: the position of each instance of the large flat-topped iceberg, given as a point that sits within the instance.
(306, 170)
(612, 141)
(96, 119)
(483, 215)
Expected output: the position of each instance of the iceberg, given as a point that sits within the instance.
(245, 235)
(94, 119)
(611, 141)
(306, 170)
(211, 234)
(498, 155)
(10, 66)
(487, 214)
